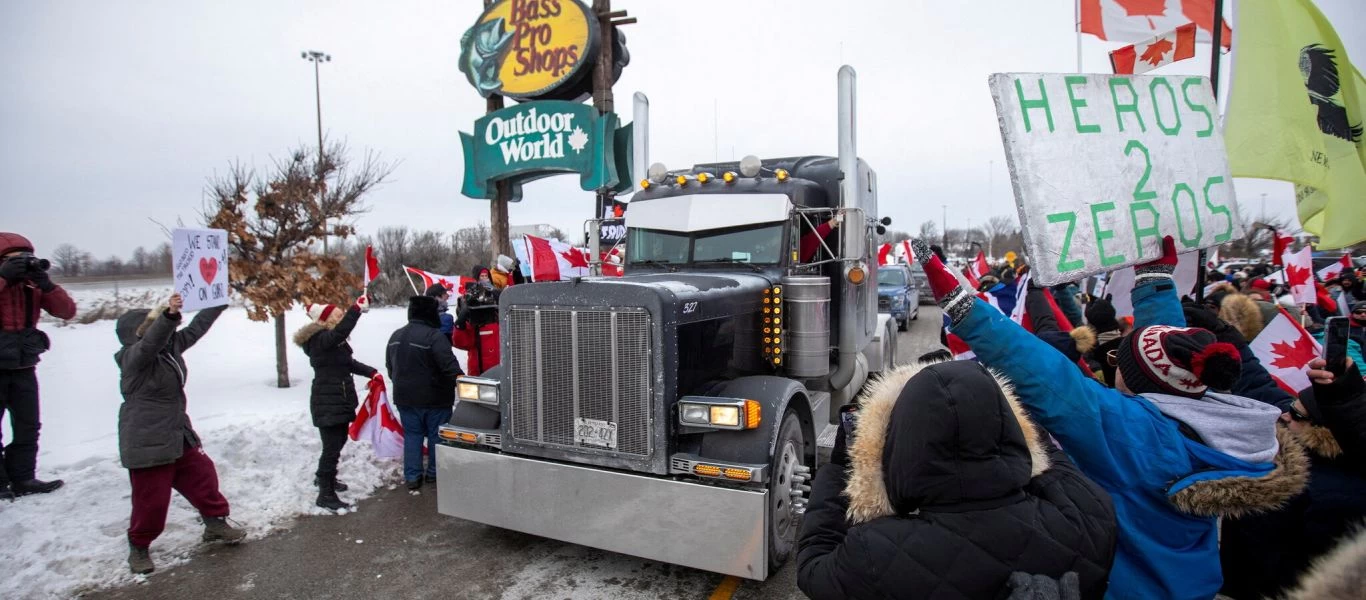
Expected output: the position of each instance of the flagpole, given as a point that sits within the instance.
(1076, 27)
(1218, 34)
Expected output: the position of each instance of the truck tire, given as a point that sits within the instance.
(783, 517)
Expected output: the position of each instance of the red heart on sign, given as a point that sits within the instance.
(208, 267)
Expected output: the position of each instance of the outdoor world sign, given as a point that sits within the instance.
(1104, 166)
(536, 139)
(529, 48)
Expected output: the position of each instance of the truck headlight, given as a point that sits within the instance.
(721, 413)
(477, 389)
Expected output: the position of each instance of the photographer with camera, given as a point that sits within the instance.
(476, 328)
(25, 290)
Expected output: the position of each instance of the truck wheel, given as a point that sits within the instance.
(787, 489)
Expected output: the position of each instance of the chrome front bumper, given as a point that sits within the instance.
(696, 525)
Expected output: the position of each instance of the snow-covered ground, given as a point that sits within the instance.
(260, 436)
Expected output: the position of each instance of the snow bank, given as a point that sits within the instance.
(260, 436)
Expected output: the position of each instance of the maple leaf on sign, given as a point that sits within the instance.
(1296, 276)
(575, 258)
(1154, 53)
(577, 140)
(1293, 356)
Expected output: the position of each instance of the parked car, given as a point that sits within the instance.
(898, 294)
(921, 282)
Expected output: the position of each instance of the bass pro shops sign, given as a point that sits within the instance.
(1104, 166)
(535, 50)
(536, 139)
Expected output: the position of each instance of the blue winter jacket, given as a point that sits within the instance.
(1128, 447)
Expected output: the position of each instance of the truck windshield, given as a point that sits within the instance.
(750, 244)
(895, 277)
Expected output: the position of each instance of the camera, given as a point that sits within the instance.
(477, 296)
(32, 263)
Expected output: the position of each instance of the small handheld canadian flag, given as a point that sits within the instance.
(1336, 269)
(1178, 44)
(1285, 349)
(372, 271)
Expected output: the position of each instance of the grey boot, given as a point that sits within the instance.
(327, 495)
(139, 560)
(217, 529)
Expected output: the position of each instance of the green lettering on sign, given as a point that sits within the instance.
(1157, 106)
(1181, 228)
(1078, 103)
(1139, 192)
(1026, 105)
(1104, 234)
(1070, 218)
(1219, 209)
(1200, 108)
(1140, 231)
(1121, 108)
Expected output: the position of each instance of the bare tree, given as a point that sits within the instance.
(274, 222)
(140, 261)
(929, 232)
(997, 230)
(68, 259)
(1257, 235)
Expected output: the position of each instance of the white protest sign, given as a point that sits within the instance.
(200, 267)
(1104, 166)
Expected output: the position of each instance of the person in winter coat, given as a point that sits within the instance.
(157, 444)
(1101, 319)
(1175, 451)
(26, 291)
(1065, 295)
(1265, 554)
(476, 332)
(1255, 382)
(506, 271)
(1339, 574)
(947, 490)
(332, 399)
(442, 295)
(423, 369)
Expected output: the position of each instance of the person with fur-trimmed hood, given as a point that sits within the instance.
(1175, 451)
(946, 490)
(157, 444)
(1264, 554)
(332, 400)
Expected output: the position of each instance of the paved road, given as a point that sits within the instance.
(398, 546)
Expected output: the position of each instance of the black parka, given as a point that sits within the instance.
(154, 426)
(950, 489)
(419, 359)
(332, 399)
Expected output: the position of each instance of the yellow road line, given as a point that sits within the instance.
(726, 588)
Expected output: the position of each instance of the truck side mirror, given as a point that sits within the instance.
(881, 230)
(885, 221)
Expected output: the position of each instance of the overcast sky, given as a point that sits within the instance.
(114, 112)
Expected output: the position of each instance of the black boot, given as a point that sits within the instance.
(6, 493)
(139, 560)
(34, 486)
(327, 495)
(339, 486)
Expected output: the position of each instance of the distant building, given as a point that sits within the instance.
(540, 230)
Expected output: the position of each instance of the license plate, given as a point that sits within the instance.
(595, 433)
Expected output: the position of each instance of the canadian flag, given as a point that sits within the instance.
(1332, 271)
(907, 253)
(972, 279)
(377, 422)
(372, 271)
(553, 260)
(1212, 258)
(1178, 44)
(611, 262)
(884, 255)
(1137, 20)
(1285, 349)
(980, 268)
(451, 282)
(1299, 276)
(1279, 245)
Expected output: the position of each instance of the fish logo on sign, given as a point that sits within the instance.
(528, 48)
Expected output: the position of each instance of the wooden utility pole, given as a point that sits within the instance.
(603, 100)
(500, 238)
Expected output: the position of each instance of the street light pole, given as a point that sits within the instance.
(317, 58)
(944, 222)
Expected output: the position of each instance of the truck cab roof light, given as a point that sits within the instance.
(704, 178)
(681, 180)
(781, 174)
(729, 177)
(645, 184)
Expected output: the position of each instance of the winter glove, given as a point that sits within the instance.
(1204, 318)
(41, 279)
(1158, 269)
(1024, 586)
(1100, 315)
(462, 315)
(13, 270)
(948, 291)
(363, 304)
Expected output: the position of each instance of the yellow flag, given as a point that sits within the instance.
(1295, 114)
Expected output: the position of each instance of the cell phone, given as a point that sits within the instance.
(1336, 332)
(849, 419)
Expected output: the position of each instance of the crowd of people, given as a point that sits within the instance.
(1086, 454)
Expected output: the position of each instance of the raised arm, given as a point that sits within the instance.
(332, 338)
(199, 325)
(153, 340)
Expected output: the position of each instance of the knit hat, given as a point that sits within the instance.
(1185, 361)
(320, 312)
(1100, 315)
(437, 290)
(1260, 284)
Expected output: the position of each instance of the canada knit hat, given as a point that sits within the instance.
(320, 312)
(1184, 361)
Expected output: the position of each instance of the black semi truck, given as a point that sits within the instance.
(674, 413)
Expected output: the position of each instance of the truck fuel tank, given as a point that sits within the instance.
(806, 325)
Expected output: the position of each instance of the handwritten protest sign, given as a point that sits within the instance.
(200, 267)
(1104, 166)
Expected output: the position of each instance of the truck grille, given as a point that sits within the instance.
(567, 365)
